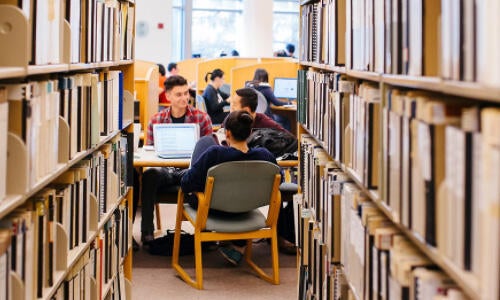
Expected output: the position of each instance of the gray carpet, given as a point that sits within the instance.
(153, 277)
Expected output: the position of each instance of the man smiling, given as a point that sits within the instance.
(158, 180)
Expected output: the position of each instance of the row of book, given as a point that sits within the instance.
(99, 30)
(56, 119)
(440, 177)
(323, 25)
(98, 273)
(448, 39)
(36, 246)
(345, 118)
(340, 232)
(426, 154)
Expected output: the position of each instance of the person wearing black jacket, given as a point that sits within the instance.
(215, 100)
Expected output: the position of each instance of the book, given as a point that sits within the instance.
(5, 258)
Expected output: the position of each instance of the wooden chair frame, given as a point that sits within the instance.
(204, 236)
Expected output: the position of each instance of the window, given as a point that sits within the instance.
(286, 24)
(178, 34)
(215, 26)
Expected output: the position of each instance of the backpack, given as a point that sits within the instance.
(164, 245)
(278, 142)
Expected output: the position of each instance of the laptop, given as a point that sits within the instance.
(285, 88)
(173, 140)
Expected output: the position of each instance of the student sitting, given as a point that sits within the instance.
(238, 127)
(245, 99)
(261, 83)
(155, 180)
(215, 100)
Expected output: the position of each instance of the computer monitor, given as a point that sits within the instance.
(285, 88)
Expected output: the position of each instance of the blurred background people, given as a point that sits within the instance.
(261, 83)
(215, 100)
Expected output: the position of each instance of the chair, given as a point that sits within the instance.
(200, 103)
(231, 187)
(261, 103)
(226, 89)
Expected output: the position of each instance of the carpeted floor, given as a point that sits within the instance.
(153, 277)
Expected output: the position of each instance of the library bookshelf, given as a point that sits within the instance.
(399, 155)
(66, 113)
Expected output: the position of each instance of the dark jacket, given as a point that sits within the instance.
(214, 104)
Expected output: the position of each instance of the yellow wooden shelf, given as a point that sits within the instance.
(11, 72)
(372, 76)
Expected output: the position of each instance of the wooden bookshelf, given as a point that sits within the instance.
(436, 77)
(13, 201)
(19, 66)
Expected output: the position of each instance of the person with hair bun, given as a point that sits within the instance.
(238, 126)
(215, 100)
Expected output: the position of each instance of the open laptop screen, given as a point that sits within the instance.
(175, 140)
(285, 88)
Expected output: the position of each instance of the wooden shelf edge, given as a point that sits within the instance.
(47, 69)
(12, 72)
(79, 66)
(420, 82)
(126, 62)
(372, 194)
(337, 69)
(372, 76)
(107, 215)
(471, 90)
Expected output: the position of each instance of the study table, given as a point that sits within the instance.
(148, 158)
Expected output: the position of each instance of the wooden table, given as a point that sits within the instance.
(147, 158)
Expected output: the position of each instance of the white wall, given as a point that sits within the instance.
(257, 36)
(154, 45)
(256, 40)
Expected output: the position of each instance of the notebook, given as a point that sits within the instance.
(285, 88)
(175, 140)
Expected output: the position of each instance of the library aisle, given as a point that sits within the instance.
(153, 277)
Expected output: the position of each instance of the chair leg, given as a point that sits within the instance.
(275, 258)
(198, 261)
(158, 216)
(275, 277)
(175, 255)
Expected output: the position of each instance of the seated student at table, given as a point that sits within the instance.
(238, 128)
(261, 83)
(215, 100)
(156, 180)
(245, 99)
